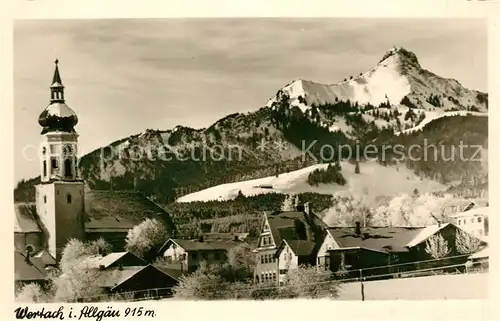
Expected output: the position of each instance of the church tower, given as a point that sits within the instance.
(60, 194)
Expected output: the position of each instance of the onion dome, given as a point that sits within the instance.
(57, 116)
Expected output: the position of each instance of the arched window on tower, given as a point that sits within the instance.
(44, 168)
(54, 164)
(68, 172)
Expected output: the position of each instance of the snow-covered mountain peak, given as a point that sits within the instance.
(400, 57)
(396, 76)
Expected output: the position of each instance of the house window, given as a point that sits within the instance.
(472, 220)
(264, 241)
(289, 256)
(262, 259)
(283, 271)
(44, 168)
(459, 222)
(68, 198)
(479, 220)
(266, 258)
(45, 198)
(274, 276)
(168, 259)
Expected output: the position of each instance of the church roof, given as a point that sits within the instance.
(25, 218)
(106, 211)
(114, 210)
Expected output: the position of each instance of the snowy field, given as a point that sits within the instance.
(440, 287)
(433, 115)
(374, 179)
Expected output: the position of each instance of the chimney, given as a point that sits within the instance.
(101, 267)
(27, 256)
(358, 228)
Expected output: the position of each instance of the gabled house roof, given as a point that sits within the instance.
(282, 224)
(115, 210)
(205, 245)
(298, 247)
(382, 239)
(113, 278)
(484, 253)
(480, 211)
(28, 270)
(425, 233)
(121, 258)
(25, 218)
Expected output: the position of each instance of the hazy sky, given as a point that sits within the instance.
(123, 76)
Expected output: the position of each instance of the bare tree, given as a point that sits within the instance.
(437, 246)
(466, 243)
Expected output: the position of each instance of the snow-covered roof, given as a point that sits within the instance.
(111, 258)
(425, 233)
(485, 211)
(481, 254)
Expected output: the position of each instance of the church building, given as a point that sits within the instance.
(64, 207)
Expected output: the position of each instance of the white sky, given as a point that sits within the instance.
(123, 76)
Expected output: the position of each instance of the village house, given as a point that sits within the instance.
(120, 272)
(291, 239)
(188, 254)
(352, 249)
(287, 239)
(64, 207)
(474, 220)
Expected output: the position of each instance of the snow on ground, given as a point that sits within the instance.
(439, 287)
(340, 125)
(374, 179)
(439, 113)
